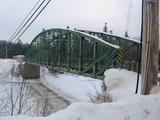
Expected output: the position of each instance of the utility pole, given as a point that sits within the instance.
(150, 38)
(6, 50)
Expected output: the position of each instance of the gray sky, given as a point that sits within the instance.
(80, 14)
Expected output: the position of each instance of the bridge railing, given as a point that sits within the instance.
(130, 47)
(74, 51)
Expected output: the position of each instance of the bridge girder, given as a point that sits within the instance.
(75, 51)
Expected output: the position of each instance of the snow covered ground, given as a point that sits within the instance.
(120, 85)
(74, 88)
(27, 97)
(131, 108)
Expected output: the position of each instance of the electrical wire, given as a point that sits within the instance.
(24, 19)
(30, 22)
(129, 15)
(18, 30)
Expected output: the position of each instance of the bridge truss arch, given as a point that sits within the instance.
(74, 51)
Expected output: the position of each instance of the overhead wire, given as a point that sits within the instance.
(33, 20)
(20, 27)
(129, 15)
(19, 32)
(28, 20)
(24, 20)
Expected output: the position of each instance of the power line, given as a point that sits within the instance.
(20, 27)
(33, 20)
(129, 15)
(24, 19)
(30, 22)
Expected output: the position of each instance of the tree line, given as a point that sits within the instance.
(8, 49)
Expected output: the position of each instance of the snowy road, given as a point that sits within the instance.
(50, 101)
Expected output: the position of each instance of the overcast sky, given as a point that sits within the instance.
(80, 14)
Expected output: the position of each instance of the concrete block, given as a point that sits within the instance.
(30, 71)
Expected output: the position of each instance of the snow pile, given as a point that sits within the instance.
(134, 108)
(121, 82)
(72, 87)
(131, 108)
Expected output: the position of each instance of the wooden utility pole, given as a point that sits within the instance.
(6, 50)
(150, 45)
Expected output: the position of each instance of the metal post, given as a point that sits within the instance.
(80, 53)
(68, 56)
(43, 48)
(48, 52)
(6, 50)
(59, 51)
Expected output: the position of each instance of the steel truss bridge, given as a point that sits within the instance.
(82, 52)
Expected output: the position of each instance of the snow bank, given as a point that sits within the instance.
(121, 82)
(133, 108)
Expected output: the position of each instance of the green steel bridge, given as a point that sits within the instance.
(82, 52)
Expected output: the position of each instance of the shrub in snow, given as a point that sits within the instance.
(100, 96)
